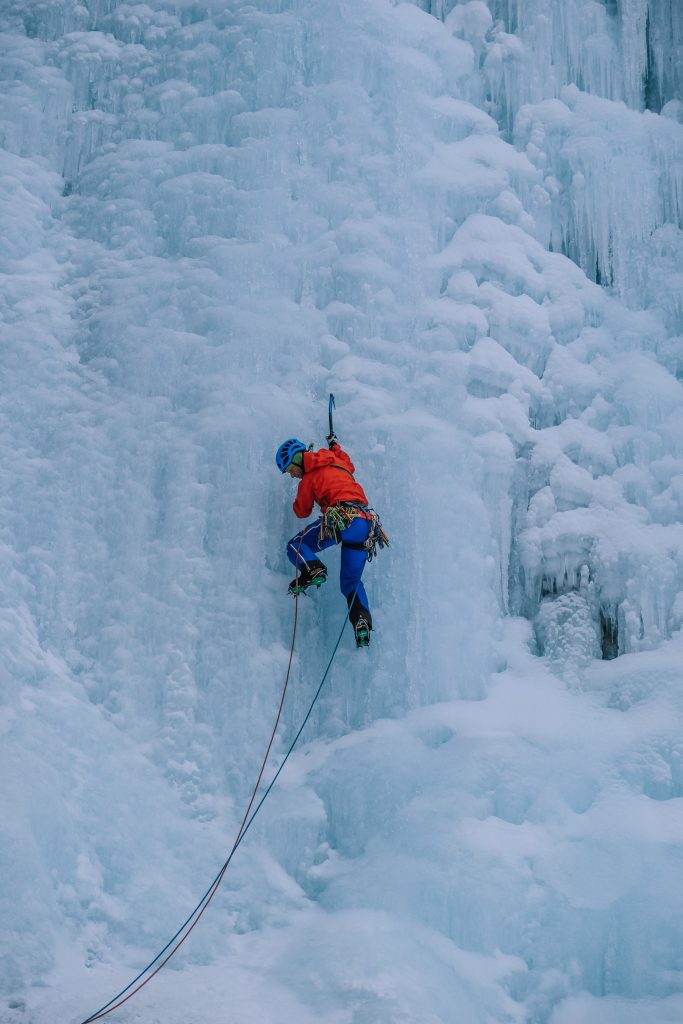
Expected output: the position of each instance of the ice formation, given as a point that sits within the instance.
(465, 220)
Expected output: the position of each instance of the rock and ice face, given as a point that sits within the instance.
(465, 220)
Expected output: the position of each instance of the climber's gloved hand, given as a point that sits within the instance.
(331, 440)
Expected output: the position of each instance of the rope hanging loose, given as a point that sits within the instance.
(188, 925)
(211, 891)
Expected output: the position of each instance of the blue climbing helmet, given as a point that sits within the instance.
(287, 451)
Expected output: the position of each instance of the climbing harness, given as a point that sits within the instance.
(172, 946)
(339, 517)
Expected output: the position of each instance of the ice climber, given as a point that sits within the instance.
(326, 477)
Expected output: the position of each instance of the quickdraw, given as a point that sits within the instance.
(339, 517)
(377, 538)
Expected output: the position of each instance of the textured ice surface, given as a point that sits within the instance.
(213, 213)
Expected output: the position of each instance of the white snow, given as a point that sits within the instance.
(465, 221)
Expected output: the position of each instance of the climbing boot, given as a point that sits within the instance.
(312, 575)
(361, 620)
(362, 630)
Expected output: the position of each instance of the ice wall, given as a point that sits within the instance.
(628, 50)
(214, 213)
(533, 73)
(575, 85)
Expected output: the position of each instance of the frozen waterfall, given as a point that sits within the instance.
(465, 220)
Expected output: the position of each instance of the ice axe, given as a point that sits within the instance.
(331, 437)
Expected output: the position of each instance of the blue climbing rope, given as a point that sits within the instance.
(186, 928)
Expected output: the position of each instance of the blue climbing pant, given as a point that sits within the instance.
(308, 545)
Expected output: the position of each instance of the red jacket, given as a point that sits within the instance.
(327, 479)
